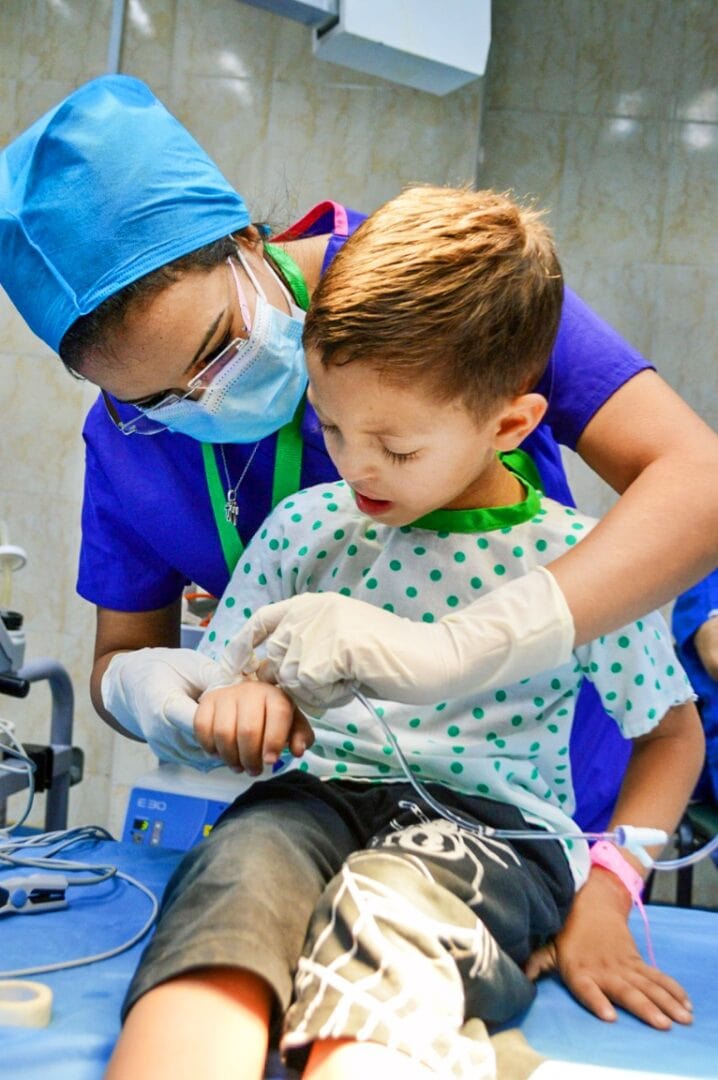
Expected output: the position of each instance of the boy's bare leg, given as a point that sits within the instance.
(346, 1059)
(212, 1023)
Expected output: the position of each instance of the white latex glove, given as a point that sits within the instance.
(319, 644)
(154, 694)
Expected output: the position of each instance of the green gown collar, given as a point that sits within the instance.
(489, 518)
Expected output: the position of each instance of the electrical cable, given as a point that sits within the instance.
(94, 958)
(10, 855)
(14, 853)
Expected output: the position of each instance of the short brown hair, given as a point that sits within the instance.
(459, 287)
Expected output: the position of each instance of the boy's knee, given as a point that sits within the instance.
(384, 962)
(385, 908)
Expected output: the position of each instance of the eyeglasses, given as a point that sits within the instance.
(141, 422)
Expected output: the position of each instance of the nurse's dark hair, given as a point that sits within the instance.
(457, 288)
(90, 331)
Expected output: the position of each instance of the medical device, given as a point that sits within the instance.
(32, 895)
(37, 893)
(56, 765)
(52, 767)
(175, 806)
(12, 637)
(14, 762)
(631, 837)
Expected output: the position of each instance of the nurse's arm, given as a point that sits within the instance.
(123, 631)
(662, 534)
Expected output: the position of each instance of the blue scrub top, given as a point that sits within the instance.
(689, 613)
(148, 527)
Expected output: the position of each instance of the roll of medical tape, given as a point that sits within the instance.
(24, 1004)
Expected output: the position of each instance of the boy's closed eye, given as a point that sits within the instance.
(332, 430)
(394, 456)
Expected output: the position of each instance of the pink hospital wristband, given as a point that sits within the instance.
(608, 857)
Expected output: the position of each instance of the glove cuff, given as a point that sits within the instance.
(550, 633)
(519, 630)
(114, 698)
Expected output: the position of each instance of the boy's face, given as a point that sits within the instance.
(403, 453)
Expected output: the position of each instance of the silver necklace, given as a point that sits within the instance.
(231, 507)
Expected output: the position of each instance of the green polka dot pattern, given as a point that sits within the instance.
(510, 743)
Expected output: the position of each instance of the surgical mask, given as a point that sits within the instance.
(258, 384)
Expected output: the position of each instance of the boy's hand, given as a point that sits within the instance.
(597, 958)
(249, 724)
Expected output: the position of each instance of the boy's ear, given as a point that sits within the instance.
(518, 419)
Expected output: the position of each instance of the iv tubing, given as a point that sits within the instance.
(633, 838)
(688, 860)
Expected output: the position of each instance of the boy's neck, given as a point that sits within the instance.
(496, 486)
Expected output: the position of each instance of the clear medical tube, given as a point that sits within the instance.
(688, 860)
(633, 838)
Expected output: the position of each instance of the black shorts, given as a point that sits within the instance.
(320, 887)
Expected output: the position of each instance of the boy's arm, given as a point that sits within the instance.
(595, 952)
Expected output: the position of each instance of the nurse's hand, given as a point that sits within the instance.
(597, 958)
(153, 694)
(249, 724)
(318, 645)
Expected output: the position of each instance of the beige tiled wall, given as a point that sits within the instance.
(607, 112)
(288, 131)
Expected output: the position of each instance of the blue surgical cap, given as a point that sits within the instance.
(104, 188)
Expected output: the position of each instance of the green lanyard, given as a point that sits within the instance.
(291, 273)
(286, 477)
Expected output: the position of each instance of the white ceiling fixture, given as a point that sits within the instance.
(432, 45)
